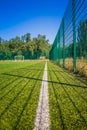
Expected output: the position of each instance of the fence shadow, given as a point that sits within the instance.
(55, 82)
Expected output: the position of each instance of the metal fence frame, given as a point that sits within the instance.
(67, 35)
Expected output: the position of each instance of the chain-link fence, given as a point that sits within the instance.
(70, 45)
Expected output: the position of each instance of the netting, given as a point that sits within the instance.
(19, 58)
(70, 45)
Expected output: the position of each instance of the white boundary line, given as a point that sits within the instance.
(42, 121)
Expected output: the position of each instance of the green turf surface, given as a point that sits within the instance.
(20, 84)
(67, 99)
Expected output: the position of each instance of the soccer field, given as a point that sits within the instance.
(20, 84)
(67, 100)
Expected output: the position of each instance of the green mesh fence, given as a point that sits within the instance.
(69, 48)
(23, 54)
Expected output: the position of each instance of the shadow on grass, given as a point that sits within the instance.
(58, 105)
(55, 82)
(25, 104)
(68, 80)
(12, 101)
(68, 95)
(77, 109)
(8, 84)
(71, 100)
(1, 98)
(59, 108)
(11, 87)
(24, 107)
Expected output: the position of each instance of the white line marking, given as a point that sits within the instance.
(42, 121)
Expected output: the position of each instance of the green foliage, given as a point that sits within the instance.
(82, 32)
(30, 49)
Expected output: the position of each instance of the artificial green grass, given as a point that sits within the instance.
(19, 94)
(20, 84)
(67, 100)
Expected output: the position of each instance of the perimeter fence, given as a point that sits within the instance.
(69, 48)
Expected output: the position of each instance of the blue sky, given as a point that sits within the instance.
(17, 17)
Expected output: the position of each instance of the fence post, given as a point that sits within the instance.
(59, 46)
(86, 46)
(74, 31)
(63, 44)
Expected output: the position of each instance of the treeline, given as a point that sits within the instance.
(24, 45)
(81, 43)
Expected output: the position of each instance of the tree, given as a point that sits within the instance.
(82, 32)
(26, 38)
(23, 38)
(25, 46)
(0, 40)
